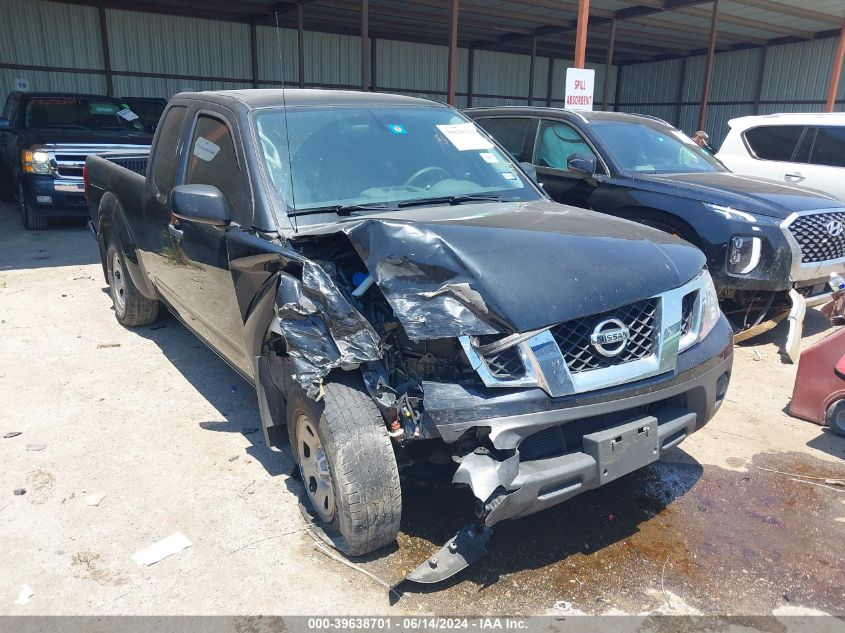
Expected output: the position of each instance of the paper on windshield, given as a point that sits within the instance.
(127, 115)
(464, 136)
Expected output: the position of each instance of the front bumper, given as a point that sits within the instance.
(66, 196)
(512, 481)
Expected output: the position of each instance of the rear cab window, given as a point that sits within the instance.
(773, 142)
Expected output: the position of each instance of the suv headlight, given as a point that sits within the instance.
(710, 311)
(35, 161)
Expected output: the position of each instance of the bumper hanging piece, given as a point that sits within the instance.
(459, 552)
(796, 325)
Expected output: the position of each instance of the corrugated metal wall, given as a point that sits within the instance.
(160, 55)
(50, 34)
(795, 79)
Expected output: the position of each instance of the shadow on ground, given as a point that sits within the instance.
(23, 250)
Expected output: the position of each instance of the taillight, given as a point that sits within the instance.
(840, 367)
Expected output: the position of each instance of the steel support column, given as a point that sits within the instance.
(365, 45)
(549, 79)
(761, 73)
(679, 92)
(836, 73)
(104, 41)
(300, 42)
(608, 64)
(470, 75)
(253, 53)
(581, 33)
(531, 68)
(453, 55)
(708, 70)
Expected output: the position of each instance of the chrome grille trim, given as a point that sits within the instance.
(546, 366)
(815, 270)
(67, 160)
(813, 239)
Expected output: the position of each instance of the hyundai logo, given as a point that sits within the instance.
(610, 337)
(834, 228)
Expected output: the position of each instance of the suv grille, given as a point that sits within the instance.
(817, 244)
(573, 337)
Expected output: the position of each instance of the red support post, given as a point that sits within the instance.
(708, 70)
(836, 72)
(581, 33)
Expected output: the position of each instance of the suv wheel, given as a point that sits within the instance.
(346, 460)
(835, 417)
(30, 221)
(130, 307)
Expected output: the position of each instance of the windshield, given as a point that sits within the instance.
(382, 156)
(79, 113)
(649, 149)
(148, 111)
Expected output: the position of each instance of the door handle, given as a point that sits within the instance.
(796, 176)
(176, 233)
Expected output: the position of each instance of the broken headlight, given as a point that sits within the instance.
(35, 162)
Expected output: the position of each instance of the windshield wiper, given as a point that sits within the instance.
(343, 209)
(457, 199)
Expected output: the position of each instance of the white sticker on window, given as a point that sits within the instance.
(205, 149)
(488, 157)
(507, 175)
(127, 115)
(465, 137)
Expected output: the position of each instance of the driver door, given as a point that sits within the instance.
(556, 141)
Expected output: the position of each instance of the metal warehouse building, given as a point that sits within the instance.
(693, 63)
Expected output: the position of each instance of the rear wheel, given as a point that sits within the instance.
(347, 463)
(130, 307)
(30, 221)
(835, 417)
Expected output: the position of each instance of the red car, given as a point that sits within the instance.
(819, 392)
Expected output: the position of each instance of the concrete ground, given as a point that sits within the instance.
(152, 419)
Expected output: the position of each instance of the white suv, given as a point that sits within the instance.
(802, 149)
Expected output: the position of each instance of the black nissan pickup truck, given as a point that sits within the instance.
(400, 293)
(44, 140)
(770, 246)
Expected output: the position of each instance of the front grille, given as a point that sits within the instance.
(688, 312)
(70, 165)
(573, 337)
(816, 242)
(506, 365)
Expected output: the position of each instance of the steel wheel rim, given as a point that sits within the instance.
(117, 282)
(314, 468)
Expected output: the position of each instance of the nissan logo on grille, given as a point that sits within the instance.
(610, 337)
(834, 228)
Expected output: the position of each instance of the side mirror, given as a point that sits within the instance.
(5, 123)
(582, 165)
(200, 203)
(529, 169)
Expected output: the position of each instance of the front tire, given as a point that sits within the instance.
(835, 417)
(31, 222)
(346, 460)
(130, 307)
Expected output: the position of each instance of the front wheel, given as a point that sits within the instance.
(130, 307)
(835, 417)
(30, 221)
(347, 464)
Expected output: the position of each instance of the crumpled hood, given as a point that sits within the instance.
(745, 193)
(487, 268)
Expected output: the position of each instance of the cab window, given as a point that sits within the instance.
(556, 142)
(165, 154)
(212, 160)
